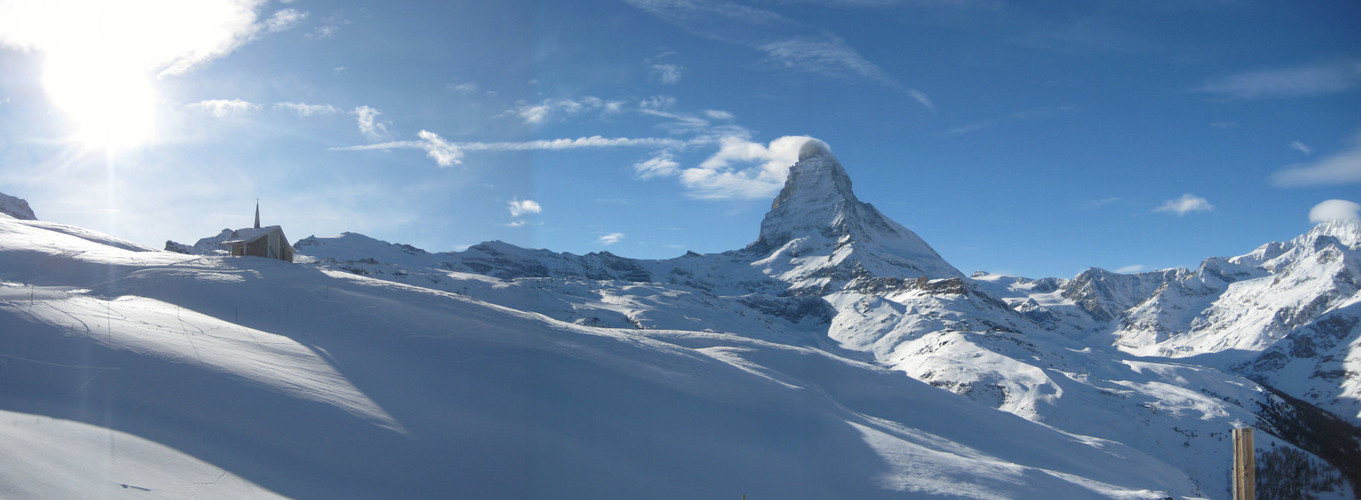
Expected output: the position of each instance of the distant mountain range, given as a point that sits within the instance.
(836, 356)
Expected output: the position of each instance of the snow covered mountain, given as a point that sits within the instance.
(836, 356)
(211, 245)
(818, 236)
(133, 371)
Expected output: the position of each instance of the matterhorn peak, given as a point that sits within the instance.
(813, 148)
(817, 215)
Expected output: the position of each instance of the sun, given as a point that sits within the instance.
(110, 101)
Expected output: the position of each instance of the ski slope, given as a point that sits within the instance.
(129, 372)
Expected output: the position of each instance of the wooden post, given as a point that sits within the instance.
(1244, 465)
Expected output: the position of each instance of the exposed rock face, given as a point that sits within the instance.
(16, 207)
(211, 245)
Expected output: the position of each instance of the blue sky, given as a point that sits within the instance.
(1032, 138)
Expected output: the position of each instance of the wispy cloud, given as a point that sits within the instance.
(787, 43)
(717, 114)
(827, 55)
(1314, 79)
(664, 164)
(329, 26)
(667, 73)
(1337, 169)
(446, 153)
(610, 239)
(464, 87)
(830, 57)
(1335, 210)
(1130, 269)
(284, 19)
(1030, 114)
(304, 109)
(520, 207)
(369, 125)
(739, 169)
(224, 107)
(676, 123)
(1186, 204)
(1098, 203)
(536, 113)
(1301, 147)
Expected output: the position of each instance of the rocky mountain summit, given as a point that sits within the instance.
(16, 207)
(1166, 362)
(818, 236)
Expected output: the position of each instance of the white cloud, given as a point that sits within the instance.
(668, 74)
(1186, 204)
(520, 207)
(1335, 210)
(1130, 269)
(223, 107)
(664, 164)
(1314, 79)
(158, 36)
(1336, 169)
(307, 109)
(610, 239)
(742, 169)
(444, 153)
(284, 19)
(369, 125)
(1301, 147)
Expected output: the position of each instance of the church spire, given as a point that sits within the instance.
(257, 214)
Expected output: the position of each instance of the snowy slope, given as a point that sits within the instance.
(836, 356)
(829, 272)
(220, 377)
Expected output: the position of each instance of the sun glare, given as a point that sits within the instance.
(111, 105)
(102, 59)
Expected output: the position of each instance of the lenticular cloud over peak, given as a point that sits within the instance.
(1335, 211)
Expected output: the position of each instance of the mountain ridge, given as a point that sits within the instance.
(1165, 362)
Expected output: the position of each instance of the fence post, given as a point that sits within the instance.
(1244, 465)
